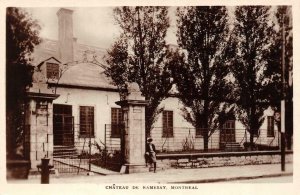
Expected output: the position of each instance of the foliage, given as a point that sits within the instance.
(202, 78)
(188, 144)
(253, 36)
(141, 55)
(284, 22)
(109, 160)
(259, 147)
(21, 37)
(274, 68)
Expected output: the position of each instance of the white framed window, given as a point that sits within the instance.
(167, 124)
(116, 122)
(86, 119)
(270, 127)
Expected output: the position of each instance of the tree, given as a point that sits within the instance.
(141, 55)
(202, 81)
(283, 37)
(21, 37)
(253, 35)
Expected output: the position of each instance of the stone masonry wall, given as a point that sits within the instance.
(204, 162)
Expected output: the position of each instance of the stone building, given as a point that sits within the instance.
(71, 100)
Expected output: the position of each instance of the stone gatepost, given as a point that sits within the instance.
(133, 108)
(38, 125)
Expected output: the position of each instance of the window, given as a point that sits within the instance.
(227, 133)
(86, 121)
(116, 122)
(200, 130)
(52, 70)
(270, 130)
(167, 123)
(229, 124)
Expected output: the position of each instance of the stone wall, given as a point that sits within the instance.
(221, 159)
(39, 128)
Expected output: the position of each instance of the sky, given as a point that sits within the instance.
(91, 26)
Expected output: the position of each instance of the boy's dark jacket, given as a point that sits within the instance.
(148, 147)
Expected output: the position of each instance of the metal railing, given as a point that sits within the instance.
(93, 152)
(188, 140)
(87, 152)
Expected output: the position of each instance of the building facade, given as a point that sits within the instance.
(72, 100)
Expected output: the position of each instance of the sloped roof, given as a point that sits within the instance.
(86, 75)
(51, 58)
(49, 48)
(45, 50)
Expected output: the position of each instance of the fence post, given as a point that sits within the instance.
(90, 147)
(168, 140)
(105, 145)
(278, 137)
(211, 142)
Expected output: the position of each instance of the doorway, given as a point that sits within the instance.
(227, 133)
(63, 128)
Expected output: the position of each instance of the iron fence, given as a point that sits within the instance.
(90, 154)
(80, 153)
(185, 140)
(113, 146)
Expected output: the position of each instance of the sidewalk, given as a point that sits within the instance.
(200, 175)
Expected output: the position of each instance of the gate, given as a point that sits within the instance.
(86, 155)
(75, 157)
(114, 146)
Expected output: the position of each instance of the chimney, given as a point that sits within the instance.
(65, 35)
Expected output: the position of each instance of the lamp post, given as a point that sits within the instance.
(283, 96)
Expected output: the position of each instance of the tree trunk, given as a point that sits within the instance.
(289, 141)
(205, 139)
(9, 134)
(148, 121)
(252, 120)
(148, 128)
(251, 140)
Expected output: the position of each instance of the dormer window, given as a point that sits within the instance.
(52, 70)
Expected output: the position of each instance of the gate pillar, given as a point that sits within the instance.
(38, 125)
(133, 108)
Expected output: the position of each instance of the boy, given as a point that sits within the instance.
(151, 153)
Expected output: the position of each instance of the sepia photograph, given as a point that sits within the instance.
(165, 97)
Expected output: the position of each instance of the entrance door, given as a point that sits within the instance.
(228, 132)
(63, 125)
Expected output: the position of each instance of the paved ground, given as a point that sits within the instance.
(200, 175)
(282, 179)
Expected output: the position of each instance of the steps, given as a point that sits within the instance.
(65, 152)
(232, 147)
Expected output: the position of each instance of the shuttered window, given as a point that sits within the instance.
(200, 130)
(167, 123)
(116, 122)
(270, 130)
(52, 70)
(86, 120)
(229, 124)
